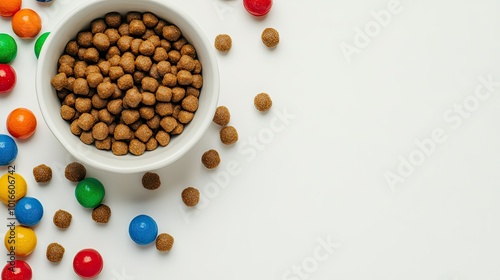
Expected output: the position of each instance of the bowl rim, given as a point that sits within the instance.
(210, 87)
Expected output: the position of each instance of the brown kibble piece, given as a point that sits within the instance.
(263, 102)
(42, 173)
(228, 135)
(190, 196)
(86, 121)
(223, 42)
(190, 103)
(164, 242)
(101, 214)
(151, 181)
(171, 33)
(119, 148)
(136, 27)
(113, 19)
(62, 219)
(222, 116)
(101, 42)
(270, 37)
(75, 172)
(210, 159)
(55, 252)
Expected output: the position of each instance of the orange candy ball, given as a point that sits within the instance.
(9, 7)
(26, 23)
(21, 123)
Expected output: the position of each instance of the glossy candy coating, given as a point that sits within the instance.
(258, 7)
(21, 123)
(29, 211)
(12, 188)
(39, 43)
(87, 263)
(25, 240)
(8, 149)
(7, 78)
(8, 48)
(26, 23)
(89, 192)
(9, 7)
(17, 270)
(143, 229)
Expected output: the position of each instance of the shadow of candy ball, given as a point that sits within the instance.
(89, 192)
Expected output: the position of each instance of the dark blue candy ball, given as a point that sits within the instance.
(143, 229)
(28, 211)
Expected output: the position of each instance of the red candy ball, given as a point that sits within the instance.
(87, 263)
(258, 7)
(17, 270)
(7, 78)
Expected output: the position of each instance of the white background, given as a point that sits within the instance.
(318, 175)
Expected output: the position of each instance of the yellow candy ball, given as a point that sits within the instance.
(20, 240)
(12, 188)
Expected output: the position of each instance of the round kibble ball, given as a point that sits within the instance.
(270, 37)
(263, 102)
(8, 48)
(222, 116)
(19, 270)
(89, 192)
(42, 173)
(223, 42)
(29, 211)
(190, 196)
(164, 242)
(21, 123)
(75, 172)
(20, 188)
(151, 181)
(210, 159)
(62, 219)
(101, 214)
(24, 237)
(26, 23)
(8, 78)
(8, 149)
(228, 135)
(87, 263)
(39, 43)
(55, 252)
(143, 229)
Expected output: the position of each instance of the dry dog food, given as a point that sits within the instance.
(210, 159)
(101, 214)
(164, 242)
(222, 116)
(75, 172)
(42, 173)
(223, 42)
(55, 252)
(62, 219)
(128, 83)
(190, 196)
(151, 181)
(270, 37)
(263, 102)
(228, 135)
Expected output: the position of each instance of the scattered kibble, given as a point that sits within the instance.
(151, 181)
(222, 116)
(223, 42)
(55, 252)
(101, 214)
(164, 242)
(270, 37)
(42, 173)
(190, 196)
(263, 102)
(62, 219)
(228, 135)
(210, 159)
(75, 172)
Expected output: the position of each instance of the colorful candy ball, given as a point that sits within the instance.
(258, 7)
(143, 229)
(7, 78)
(20, 240)
(21, 123)
(26, 23)
(9, 7)
(12, 188)
(8, 48)
(8, 150)
(87, 263)
(29, 211)
(89, 192)
(17, 270)
(39, 43)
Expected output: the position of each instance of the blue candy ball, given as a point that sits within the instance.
(8, 149)
(143, 229)
(29, 211)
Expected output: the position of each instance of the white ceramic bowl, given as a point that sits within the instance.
(50, 105)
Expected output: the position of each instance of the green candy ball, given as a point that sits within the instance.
(39, 43)
(8, 48)
(89, 192)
